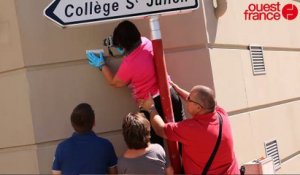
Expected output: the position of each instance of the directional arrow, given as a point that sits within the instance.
(74, 12)
(48, 12)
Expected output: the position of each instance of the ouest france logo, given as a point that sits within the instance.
(270, 12)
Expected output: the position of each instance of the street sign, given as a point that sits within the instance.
(75, 12)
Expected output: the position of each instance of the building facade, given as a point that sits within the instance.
(44, 74)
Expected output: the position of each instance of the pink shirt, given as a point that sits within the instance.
(138, 70)
(198, 136)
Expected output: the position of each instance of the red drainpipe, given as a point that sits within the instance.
(161, 72)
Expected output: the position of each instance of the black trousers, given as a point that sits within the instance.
(178, 113)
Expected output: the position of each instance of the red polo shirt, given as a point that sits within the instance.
(198, 136)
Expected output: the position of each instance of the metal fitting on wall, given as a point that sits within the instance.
(220, 7)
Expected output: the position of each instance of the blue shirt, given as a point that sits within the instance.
(84, 154)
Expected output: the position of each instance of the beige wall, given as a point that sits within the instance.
(10, 46)
(20, 160)
(236, 79)
(54, 77)
(251, 129)
(44, 75)
(261, 107)
(16, 123)
(15, 108)
(231, 28)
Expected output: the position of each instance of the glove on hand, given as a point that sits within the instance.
(97, 62)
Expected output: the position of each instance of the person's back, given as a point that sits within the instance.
(84, 152)
(225, 162)
(199, 136)
(142, 157)
(153, 161)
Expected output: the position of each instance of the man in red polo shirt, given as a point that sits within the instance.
(198, 134)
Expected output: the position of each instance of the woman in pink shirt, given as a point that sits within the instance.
(136, 70)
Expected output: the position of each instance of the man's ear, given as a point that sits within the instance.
(199, 108)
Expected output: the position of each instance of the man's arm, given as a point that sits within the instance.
(169, 170)
(155, 120)
(56, 165)
(170, 131)
(183, 93)
(56, 172)
(157, 123)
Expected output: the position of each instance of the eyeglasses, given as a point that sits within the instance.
(189, 100)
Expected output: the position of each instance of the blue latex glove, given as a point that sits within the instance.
(95, 61)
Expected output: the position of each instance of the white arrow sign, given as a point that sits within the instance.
(73, 12)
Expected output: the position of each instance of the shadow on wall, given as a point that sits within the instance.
(214, 9)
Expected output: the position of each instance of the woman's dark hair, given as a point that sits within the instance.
(83, 118)
(126, 35)
(136, 131)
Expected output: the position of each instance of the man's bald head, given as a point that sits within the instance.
(205, 96)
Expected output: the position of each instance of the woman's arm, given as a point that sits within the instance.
(183, 93)
(111, 79)
(99, 62)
